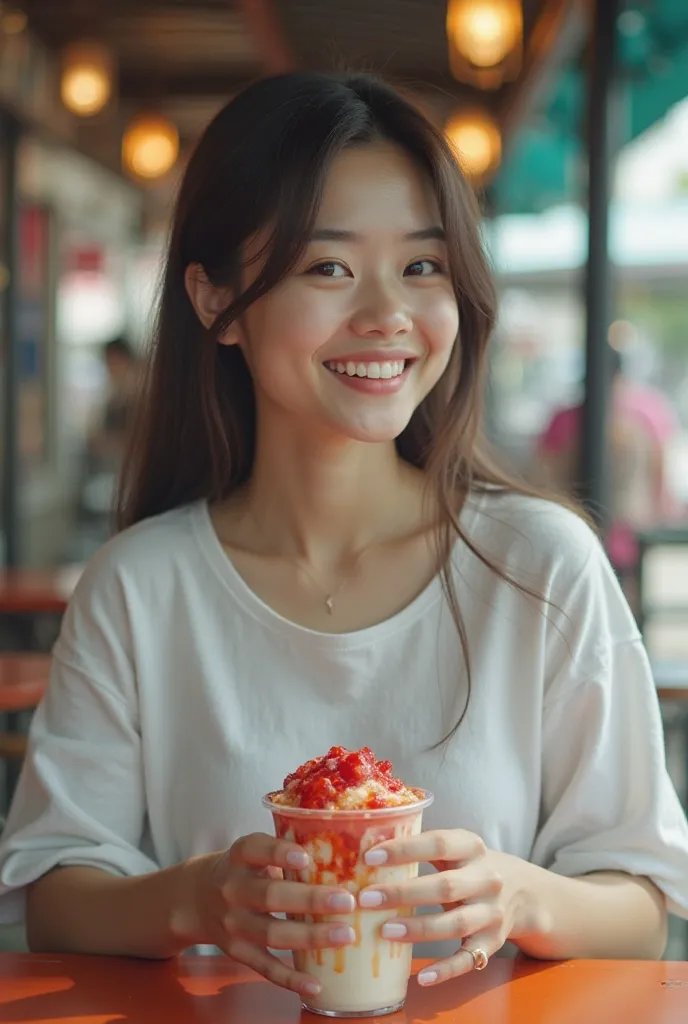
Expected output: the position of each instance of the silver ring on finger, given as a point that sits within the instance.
(480, 958)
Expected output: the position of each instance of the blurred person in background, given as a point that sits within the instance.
(109, 433)
(642, 426)
(104, 450)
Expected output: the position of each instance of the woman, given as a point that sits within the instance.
(316, 553)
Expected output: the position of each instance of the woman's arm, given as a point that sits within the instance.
(81, 799)
(228, 899)
(489, 897)
(86, 910)
(607, 915)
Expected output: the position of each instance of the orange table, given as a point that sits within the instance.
(37, 591)
(23, 680)
(50, 988)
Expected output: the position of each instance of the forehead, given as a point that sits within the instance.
(377, 186)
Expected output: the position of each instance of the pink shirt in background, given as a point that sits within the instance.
(650, 412)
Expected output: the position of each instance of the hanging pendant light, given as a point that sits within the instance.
(485, 39)
(86, 80)
(477, 140)
(13, 21)
(150, 147)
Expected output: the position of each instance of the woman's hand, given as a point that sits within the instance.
(483, 893)
(238, 891)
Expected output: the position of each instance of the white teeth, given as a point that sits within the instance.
(373, 371)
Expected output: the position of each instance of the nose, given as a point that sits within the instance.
(382, 314)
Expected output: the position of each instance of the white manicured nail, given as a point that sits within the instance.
(342, 935)
(371, 899)
(298, 860)
(394, 930)
(343, 901)
(376, 857)
(427, 977)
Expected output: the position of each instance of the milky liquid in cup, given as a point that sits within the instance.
(370, 977)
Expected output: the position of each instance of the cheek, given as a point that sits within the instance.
(287, 328)
(441, 326)
(283, 338)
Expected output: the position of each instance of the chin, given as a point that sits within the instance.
(373, 433)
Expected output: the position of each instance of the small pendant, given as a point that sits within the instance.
(329, 604)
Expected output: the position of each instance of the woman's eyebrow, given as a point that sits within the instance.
(338, 235)
(427, 234)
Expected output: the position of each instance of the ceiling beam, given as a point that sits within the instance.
(556, 37)
(135, 85)
(65, 22)
(269, 36)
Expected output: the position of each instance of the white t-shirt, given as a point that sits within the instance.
(178, 699)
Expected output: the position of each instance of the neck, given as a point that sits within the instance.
(324, 502)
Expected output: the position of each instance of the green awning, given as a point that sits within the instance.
(543, 164)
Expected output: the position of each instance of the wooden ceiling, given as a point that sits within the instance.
(187, 57)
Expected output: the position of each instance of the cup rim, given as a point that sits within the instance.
(372, 813)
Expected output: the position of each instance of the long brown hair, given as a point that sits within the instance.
(264, 160)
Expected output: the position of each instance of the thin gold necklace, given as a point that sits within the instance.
(328, 596)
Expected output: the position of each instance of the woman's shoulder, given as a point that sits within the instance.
(554, 553)
(534, 533)
(127, 591)
(143, 554)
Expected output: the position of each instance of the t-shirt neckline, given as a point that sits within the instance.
(232, 581)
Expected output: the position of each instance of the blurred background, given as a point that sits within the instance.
(100, 104)
(571, 119)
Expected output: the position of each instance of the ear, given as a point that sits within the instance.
(209, 301)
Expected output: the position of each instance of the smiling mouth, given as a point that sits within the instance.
(387, 370)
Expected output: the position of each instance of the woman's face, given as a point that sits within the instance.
(362, 329)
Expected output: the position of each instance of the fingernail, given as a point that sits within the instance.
(371, 899)
(427, 977)
(343, 901)
(394, 930)
(311, 988)
(375, 857)
(343, 935)
(298, 859)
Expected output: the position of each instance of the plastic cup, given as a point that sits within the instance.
(371, 977)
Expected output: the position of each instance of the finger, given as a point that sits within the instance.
(440, 845)
(271, 967)
(272, 872)
(277, 896)
(265, 930)
(452, 924)
(260, 850)
(445, 887)
(488, 941)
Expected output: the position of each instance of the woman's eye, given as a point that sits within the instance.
(328, 269)
(423, 268)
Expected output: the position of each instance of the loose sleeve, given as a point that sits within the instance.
(81, 798)
(608, 803)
